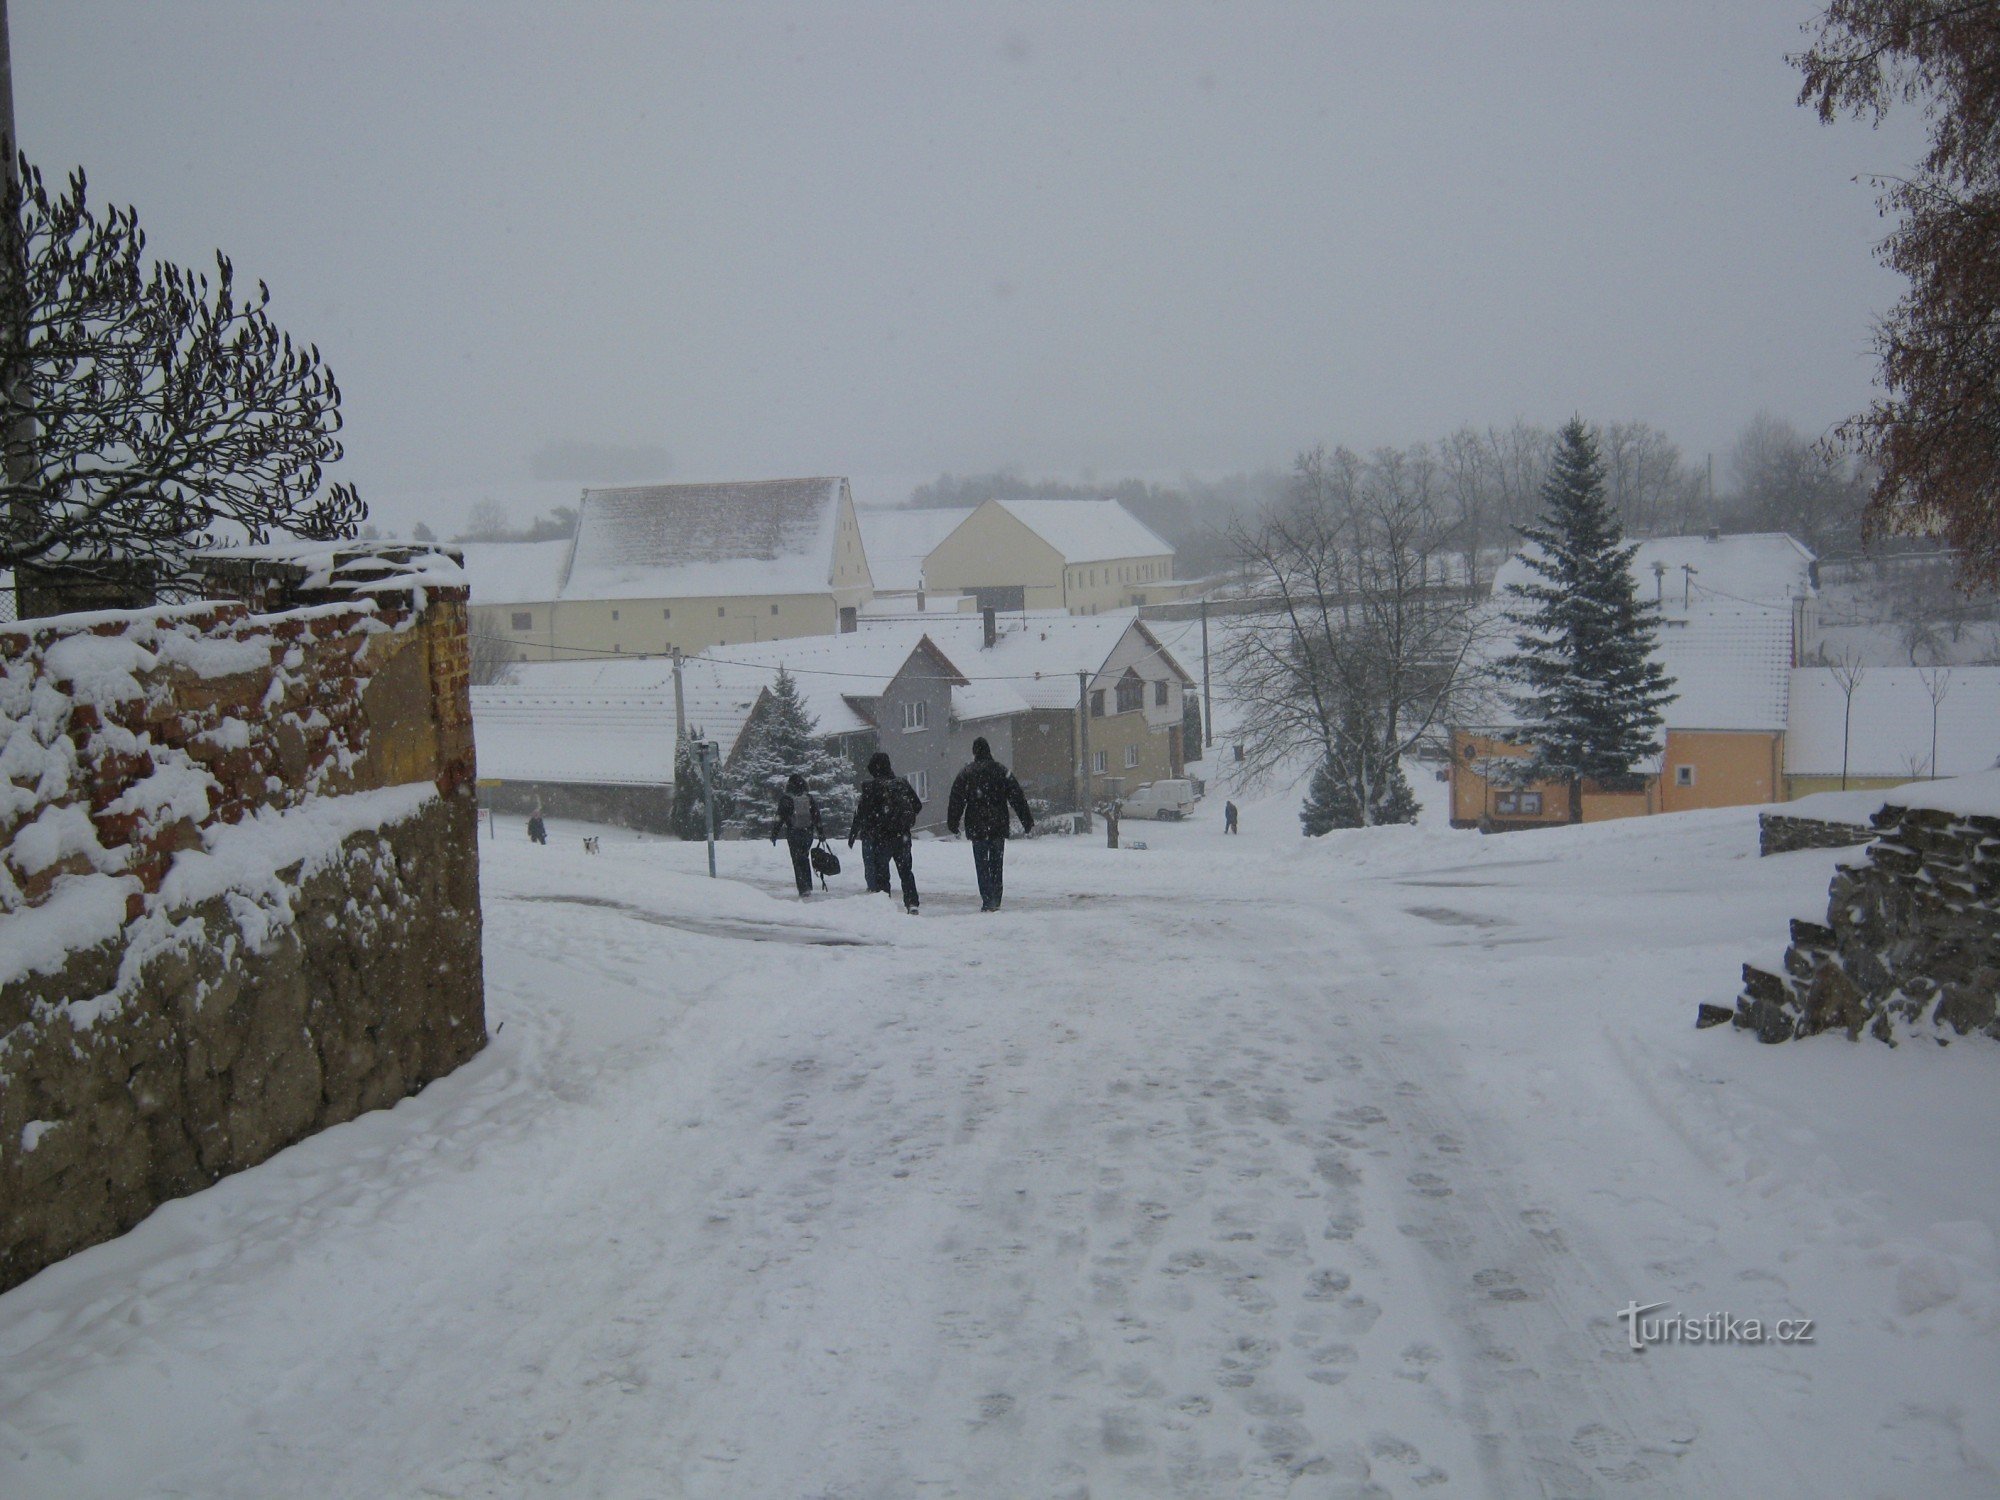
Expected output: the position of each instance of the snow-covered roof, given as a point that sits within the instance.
(515, 572)
(574, 736)
(1085, 531)
(1038, 652)
(1889, 730)
(1761, 568)
(898, 541)
(833, 670)
(680, 541)
(1731, 669)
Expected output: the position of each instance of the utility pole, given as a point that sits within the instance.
(1083, 749)
(705, 759)
(1688, 570)
(1207, 698)
(680, 703)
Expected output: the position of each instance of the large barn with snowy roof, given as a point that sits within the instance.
(656, 567)
(1084, 556)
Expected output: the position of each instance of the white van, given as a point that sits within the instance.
(1166, 801)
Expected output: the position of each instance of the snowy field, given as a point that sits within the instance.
(1226, 1167)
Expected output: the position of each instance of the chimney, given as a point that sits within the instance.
(920, 601)
(992, 626)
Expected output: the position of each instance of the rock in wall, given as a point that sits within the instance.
(1910, 945)
(235, 1039)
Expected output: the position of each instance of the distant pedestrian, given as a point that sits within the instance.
(1229, 818)
(798, 821)
(883, 820)
(538, 831)
(980, 799)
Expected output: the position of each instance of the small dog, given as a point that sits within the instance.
(590, 846)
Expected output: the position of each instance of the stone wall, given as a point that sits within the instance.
(1778, 834)
(238, 870)
(1910, 944)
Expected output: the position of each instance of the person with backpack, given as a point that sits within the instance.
(1229, 817)
(980, 799)
(801, 827)
(883, 819)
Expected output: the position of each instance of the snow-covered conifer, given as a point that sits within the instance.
(782, 739)
(1590, 695)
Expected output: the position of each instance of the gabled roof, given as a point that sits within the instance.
(575, 737)
(1086, 531)
(1039, 652)
(898, 541)
(676, 541)
(515, 572)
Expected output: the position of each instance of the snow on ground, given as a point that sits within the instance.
(1247, 1166)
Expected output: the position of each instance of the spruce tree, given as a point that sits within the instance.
(782, 740)
(1591, 693)
(1357, 788)
(690, 810)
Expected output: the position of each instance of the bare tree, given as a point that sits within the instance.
(1937, 685)
(1785, 482)
(493, 660)
(1653, 492)
(144, 406)
(1363, 649)
(1848, 673)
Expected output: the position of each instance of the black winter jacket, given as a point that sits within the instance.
(980, 798)
(876, 815)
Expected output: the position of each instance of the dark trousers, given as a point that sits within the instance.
(878, 854)
(987, 856)
(802, 868)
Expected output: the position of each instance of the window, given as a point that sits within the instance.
(614, 614)
(718, 611)
(666, 614)
(1519, 804)
(922, 782)
(1131, 694)
(616, 647)
(1098, 763)
(1683, 775)
(1160, 693)
(1131, 756)
(774, 609)
(524, 619)
(1097, 703)
(916, 716)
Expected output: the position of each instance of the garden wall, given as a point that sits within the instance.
(238, 874)
(1911, 940)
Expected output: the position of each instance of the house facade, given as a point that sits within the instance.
(1082, 556)
(1736, 614)
(655, 568)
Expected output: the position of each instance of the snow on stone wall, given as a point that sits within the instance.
(1911, 941)
(238, 879)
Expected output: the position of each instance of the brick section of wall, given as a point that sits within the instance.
(132, 1074)
(1911, 941)
(1778, 834)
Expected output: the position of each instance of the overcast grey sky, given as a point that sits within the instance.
(887, 240)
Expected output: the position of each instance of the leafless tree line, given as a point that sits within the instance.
(1371, 622)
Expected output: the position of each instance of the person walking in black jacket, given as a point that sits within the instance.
(883, 819)
(980, 799)
(800, 825)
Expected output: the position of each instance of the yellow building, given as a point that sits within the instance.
(653, 568)
(1084, 556)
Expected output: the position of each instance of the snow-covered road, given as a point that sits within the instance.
(1252, 1166)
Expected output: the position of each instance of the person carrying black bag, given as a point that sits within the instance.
(883, 819)
(800, 826)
